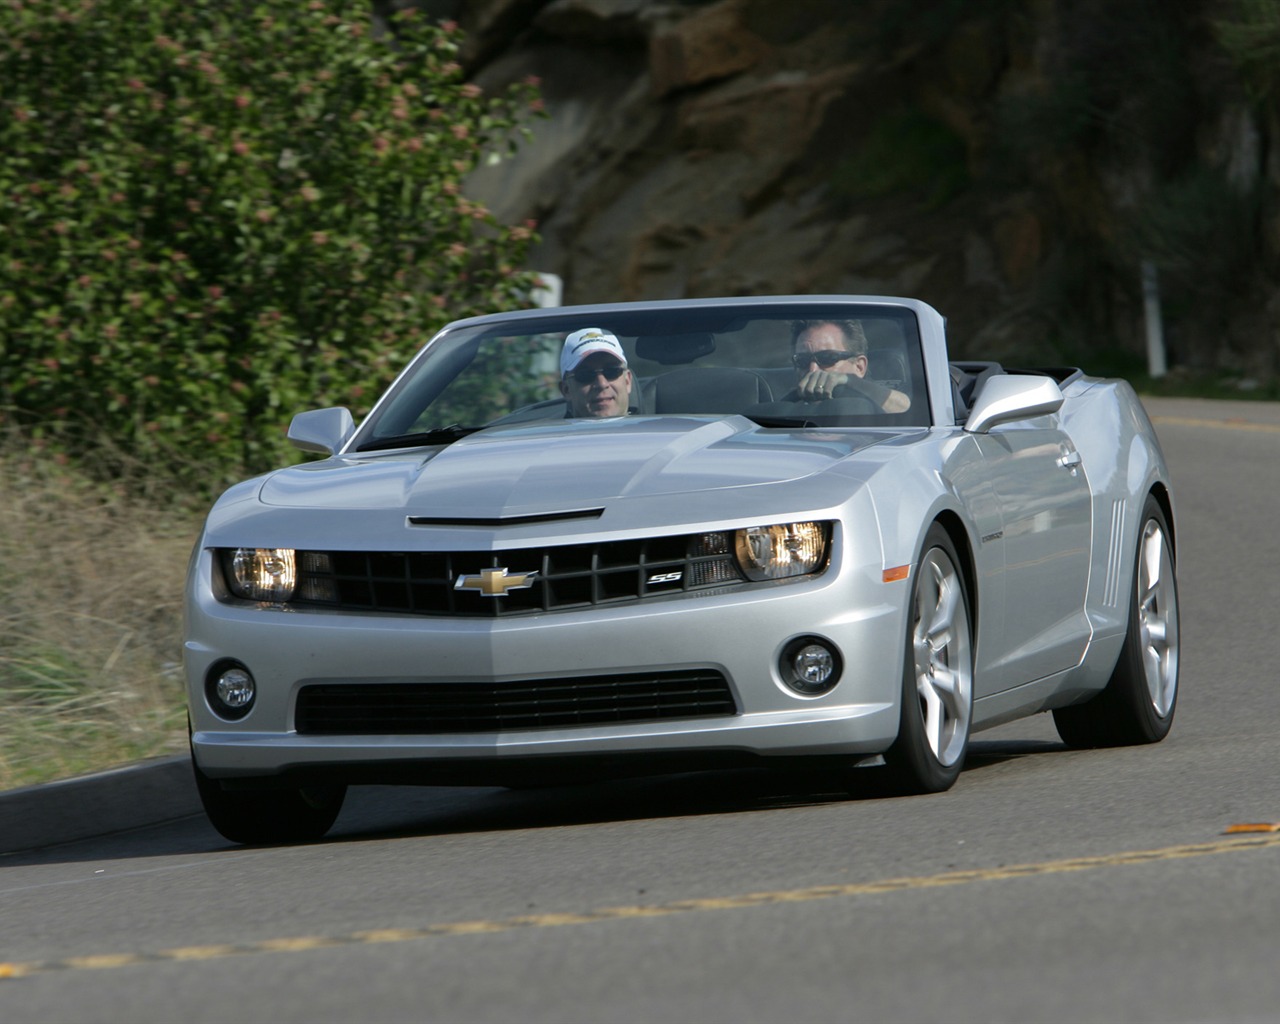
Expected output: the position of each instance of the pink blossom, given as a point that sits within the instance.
(471, 91)
(240, 147)
(460, 131)
(242, 100)
(215, 291)
(320, 237)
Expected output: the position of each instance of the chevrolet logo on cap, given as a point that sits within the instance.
(495, 582)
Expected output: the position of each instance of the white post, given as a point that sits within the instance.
(549, 290)
(1156, 362)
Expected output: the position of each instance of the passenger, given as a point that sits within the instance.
(831, 356)
(594, 377)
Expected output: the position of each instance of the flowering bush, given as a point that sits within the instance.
(215, 215)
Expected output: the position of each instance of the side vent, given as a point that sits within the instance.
(1115, 557)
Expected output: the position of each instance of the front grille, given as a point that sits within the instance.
(569, 576)
(342, 709)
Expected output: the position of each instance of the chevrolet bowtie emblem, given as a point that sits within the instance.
(495, 582)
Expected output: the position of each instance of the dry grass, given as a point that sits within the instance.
(90, 620)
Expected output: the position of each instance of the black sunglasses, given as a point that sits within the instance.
(588, 376)
(825, 358)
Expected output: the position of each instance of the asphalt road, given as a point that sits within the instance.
(1049, 885)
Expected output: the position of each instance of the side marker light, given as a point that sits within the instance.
(898, 572)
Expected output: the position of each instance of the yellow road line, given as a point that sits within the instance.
(19, 969)
(1231, 423)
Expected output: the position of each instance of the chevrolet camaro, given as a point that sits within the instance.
(593, 541)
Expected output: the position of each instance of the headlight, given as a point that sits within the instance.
(261, 574)
(774, 552)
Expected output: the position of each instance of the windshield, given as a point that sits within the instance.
(782, 366)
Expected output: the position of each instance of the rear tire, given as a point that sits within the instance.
(1139, 700)
(937, 684)
(269, 816)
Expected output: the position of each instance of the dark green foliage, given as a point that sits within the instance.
(905, 151)
(215, 215)
(1250, 33)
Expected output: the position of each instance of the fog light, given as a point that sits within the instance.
(231, 690)
(810, 666)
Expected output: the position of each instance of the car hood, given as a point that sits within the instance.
(505, 472)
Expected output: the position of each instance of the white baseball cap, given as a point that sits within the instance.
(581, 344)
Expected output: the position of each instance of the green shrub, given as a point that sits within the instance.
(906, 151)
(213, 215)
(1250, 33)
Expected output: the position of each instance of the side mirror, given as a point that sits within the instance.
(1009, 397)
(321, 430)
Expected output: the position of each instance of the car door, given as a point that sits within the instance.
(1043, 495)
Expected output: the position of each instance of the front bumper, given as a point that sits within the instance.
(739, 633)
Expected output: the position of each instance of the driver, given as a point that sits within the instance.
(594, 377)
(831, 355)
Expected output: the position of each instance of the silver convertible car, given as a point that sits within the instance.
(596, 541)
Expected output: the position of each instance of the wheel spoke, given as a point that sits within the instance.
(934, 716)
(948, 686)
(1152, 552)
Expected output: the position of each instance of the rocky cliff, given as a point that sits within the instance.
(1013, 162)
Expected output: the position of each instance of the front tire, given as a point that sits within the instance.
(1139, 700)
(269, 816)
(937, 685)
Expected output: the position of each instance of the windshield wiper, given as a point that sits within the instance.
(437, 435)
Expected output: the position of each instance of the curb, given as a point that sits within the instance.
(147, 793)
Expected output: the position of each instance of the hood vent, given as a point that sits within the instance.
(533, 517)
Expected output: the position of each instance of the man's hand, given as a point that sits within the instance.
(820, 384)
